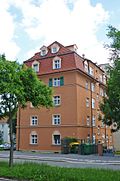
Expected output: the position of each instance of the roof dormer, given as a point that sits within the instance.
(72, 47)
(55, 48)
(43, 51)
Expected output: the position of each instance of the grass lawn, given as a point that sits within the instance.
(43, 172)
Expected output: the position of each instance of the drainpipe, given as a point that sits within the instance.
(91, 112)
(19, 129)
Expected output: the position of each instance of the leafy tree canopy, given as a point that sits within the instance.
(111, 103)
(18, 85)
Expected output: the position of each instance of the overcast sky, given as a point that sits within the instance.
(27, 25)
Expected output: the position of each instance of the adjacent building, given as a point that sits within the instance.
(4, 131)
(79, 85)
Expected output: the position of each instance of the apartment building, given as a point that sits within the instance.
(78, 85)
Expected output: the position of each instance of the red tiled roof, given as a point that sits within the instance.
(69, 60)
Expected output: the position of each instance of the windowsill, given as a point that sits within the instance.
(56, 144)
(57, 105)
(34, 125)
(56, 68)
(33, 144)
(56, 124)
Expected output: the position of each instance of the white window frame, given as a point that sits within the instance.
(93, 120)
(34, 120)
(43, 52)
(53, 138)
(93, 103)
(56, 82)
(92, 87)
(33, 138)
(88, 120)
(100, 78)
(57, 63)
(86, 85)
(56, 119)
(36, 69)
(101, 92)
(56, 100)
(86, 66)
(94, 138)
(87, 102)
(91, 71)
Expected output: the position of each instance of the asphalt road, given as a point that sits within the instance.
(66, 160)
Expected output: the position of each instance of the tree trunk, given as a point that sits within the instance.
(11, 143)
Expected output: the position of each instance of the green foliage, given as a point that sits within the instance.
(18, 85)
(114, 35)
(43, 172)
(68, 140)
(111, 103)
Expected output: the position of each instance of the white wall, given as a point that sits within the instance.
(5, 131)
(116, 139)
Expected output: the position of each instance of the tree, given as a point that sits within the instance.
(111, 103)
(18, 85)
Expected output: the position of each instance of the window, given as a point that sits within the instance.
(86, 85)
(56, 119)
(104, 79)
(97, 96)
(91, 71)
(34, 120)
(86, 66)
(87, 102)
(56, 100)
(93, 120)
(54, 50)
(56, 139)
(101, 92)
(43, 52)
(93, 103)
(56, 82)
(57, 64)
(88, 120)
(92, 87)
(36, 67)
(100, 78)
(94, 139)
(102, 124)
(33, 138)
(98, 130)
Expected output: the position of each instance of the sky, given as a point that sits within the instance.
(27, 25)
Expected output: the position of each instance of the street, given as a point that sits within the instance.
(66, 160)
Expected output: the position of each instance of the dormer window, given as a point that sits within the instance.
(35, 66)
(54, 48)
(56, 63)
(44, 51)
(86, 66)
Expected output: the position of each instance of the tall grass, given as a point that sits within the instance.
(43, 172)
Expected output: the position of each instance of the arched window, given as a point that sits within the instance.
(35, 66)
(56, 138)
(33, 137)
(57, 63)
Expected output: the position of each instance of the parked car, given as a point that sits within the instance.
(6, 146)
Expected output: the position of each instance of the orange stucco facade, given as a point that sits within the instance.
(77, 111)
